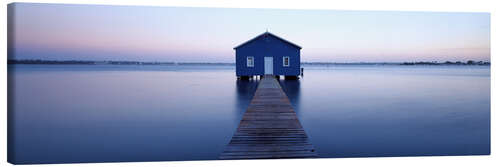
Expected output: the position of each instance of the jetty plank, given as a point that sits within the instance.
(269, 128)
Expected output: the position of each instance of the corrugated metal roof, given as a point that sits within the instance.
(267, 33)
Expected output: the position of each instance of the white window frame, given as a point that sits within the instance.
(286, 65)
(250, 61)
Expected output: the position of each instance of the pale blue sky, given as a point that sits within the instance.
(91, 32)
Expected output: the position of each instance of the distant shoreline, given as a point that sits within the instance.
(84, 62)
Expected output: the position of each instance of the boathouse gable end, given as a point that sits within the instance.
(285, 56)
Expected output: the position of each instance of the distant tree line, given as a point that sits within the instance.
(135, 63)
(229, 64)
(84, 62)
(49, 62)
(470, 62)
(37, 61)
(357, 63)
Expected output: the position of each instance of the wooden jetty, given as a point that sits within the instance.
(269, 128)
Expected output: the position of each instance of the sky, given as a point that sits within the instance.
(181, 34)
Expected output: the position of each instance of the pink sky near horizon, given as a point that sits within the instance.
(95, 32)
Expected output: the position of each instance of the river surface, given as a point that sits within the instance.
(109, 113)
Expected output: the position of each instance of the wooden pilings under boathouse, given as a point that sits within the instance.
(258, 77)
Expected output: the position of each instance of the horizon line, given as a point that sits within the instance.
(329, 62)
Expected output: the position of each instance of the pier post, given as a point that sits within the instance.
(244, 77)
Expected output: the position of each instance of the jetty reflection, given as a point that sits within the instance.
(245, 89)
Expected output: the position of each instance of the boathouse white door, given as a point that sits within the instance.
(268, 65)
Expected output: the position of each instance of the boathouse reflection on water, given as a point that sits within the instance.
(245, 90)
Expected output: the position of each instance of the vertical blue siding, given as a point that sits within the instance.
(267, 46)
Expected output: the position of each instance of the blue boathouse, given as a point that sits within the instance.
(267, 54)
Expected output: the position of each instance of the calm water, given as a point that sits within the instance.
(102, 113)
